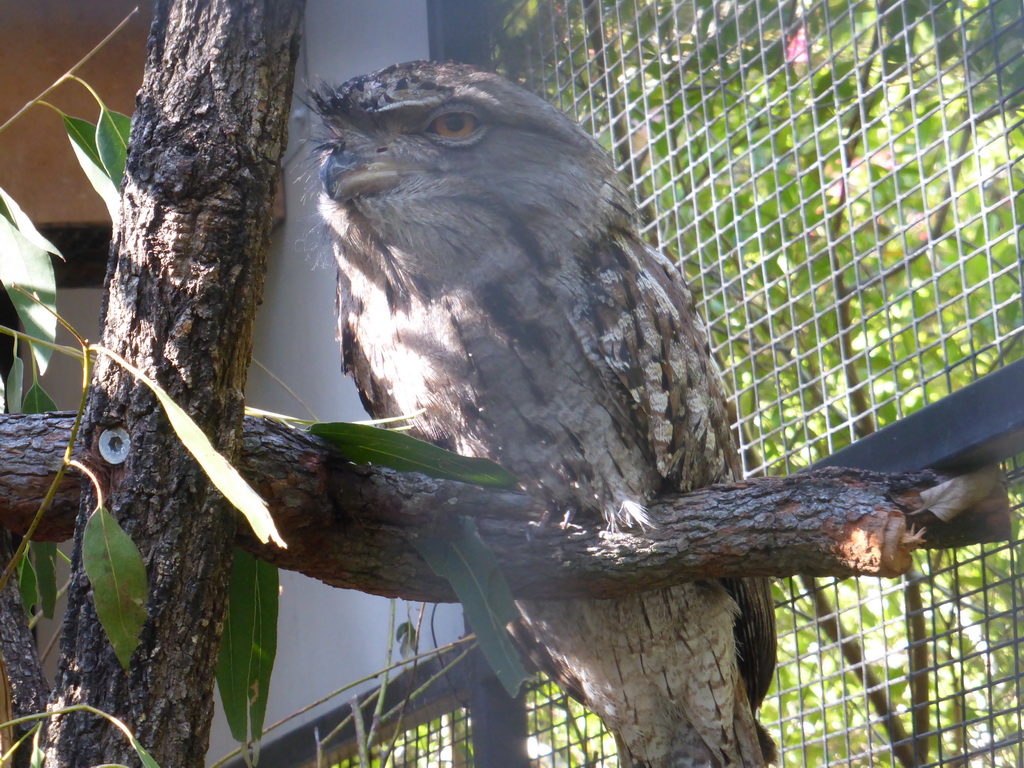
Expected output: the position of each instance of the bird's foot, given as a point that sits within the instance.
(565, 524)
(629, 515)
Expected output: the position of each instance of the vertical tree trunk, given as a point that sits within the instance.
(182, 287)
(18, 654)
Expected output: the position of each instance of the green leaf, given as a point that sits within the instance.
(28, 266)
(217, 468)
(472, 570)
(38, 756)
(363, 444)
(83, 135)
(83, 140)
(118, 578)
(112, 143)
(248, 646)
(37, 578)
(44, 556)
(13, 213)
(15, 382)
(28, 585)
(144, 756)
(37, 401)
(406, 638)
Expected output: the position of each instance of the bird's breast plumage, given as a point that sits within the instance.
(492, 284)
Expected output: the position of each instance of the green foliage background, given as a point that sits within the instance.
(842, 183)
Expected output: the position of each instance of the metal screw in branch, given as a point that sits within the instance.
(114, 445)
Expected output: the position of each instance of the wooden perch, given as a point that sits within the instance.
(352, 526)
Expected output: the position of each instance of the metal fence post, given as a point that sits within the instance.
(499, 730)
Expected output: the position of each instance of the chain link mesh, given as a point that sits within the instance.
(422, 743)
(842, 184)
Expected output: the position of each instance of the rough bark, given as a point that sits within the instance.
(182, 287)
(18, 655)
(354, 526)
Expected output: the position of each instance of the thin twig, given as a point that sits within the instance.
(52, 491)
(283, 385)
(348, 686)
(860, 405)
(357, 721)
(383, 689)
(408, 690)
(71, 72)
(443, 672)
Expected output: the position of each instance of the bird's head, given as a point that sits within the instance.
(437, 158)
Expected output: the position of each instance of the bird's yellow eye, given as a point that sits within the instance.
(455, 125)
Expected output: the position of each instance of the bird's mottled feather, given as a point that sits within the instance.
(491, 276)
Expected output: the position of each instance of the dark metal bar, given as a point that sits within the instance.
(460, 30)
(981, 424)
(499, 730)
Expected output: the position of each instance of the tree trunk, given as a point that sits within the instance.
(182, 288)
(356, 526)
(18, 656)
(183, 285)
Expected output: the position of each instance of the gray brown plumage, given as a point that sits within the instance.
(491, 275)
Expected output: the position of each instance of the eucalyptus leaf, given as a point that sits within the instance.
(472, 569)
(37, 757)
(406, 638)
(37, 400)
(44, 557)
(83, 135)
(83, 140)
(13, 213)
(248, 646)
(15, 382)
(29, 267)
(364, 444)
(118, 577)
(144, 756)
(28, 584)
(112, 143)
(225, 477)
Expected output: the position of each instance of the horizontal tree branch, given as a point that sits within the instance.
(354, 526)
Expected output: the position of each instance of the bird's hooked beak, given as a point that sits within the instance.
(346, 176)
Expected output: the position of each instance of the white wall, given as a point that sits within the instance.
(327, 636)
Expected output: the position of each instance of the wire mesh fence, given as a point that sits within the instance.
(440, 741)
(842, 184)
(841, 181)
(563, 733)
